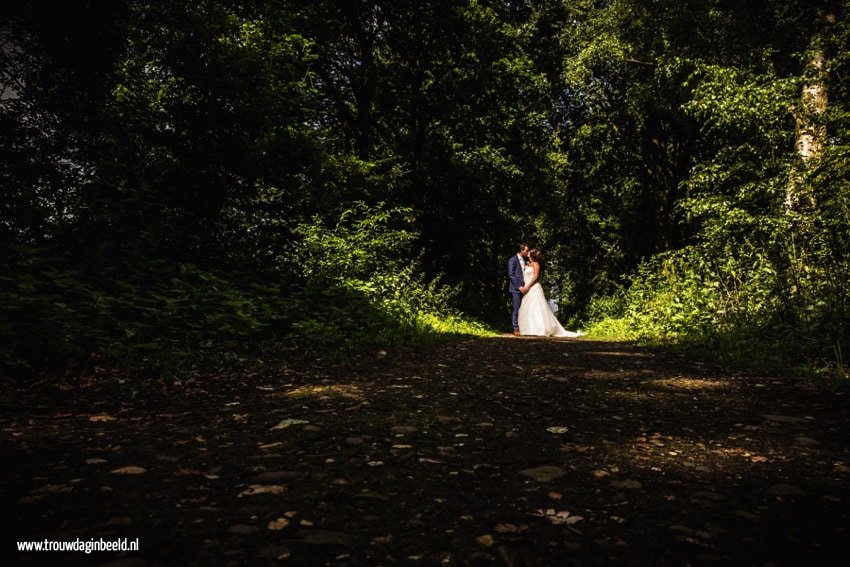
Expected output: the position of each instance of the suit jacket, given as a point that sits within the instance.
(515, 280)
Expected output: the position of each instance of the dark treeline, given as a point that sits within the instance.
(189, 183)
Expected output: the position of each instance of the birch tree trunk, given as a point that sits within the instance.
(811, 132)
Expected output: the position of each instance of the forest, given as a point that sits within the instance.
(204, 185)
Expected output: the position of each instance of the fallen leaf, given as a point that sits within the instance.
(561, 517)
(555, 495)
(130, 470)
(486, 540)
(102, 417)
(255, 489)
(511, 528)
(288, 422)
(279, 524)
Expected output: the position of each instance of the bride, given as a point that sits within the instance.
(535, 315)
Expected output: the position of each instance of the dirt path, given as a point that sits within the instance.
(504, 451)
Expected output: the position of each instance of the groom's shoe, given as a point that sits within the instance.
(516, 332)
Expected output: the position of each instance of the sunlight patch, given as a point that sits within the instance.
(684, 383)
(326, 391)
(658, 452)
(632, 395)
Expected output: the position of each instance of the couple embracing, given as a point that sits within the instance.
(531, 314)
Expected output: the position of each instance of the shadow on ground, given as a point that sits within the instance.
(492, 451)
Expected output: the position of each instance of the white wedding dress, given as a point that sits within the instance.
(535, 315)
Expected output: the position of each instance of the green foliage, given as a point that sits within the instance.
(731, 101)
(167, 318)
(362, 290)
(762, 281)
(353, 288)
(690, 294)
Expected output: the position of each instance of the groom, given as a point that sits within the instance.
(516, 263)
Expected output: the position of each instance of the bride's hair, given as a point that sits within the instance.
(535, 254)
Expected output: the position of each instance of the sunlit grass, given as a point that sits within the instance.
(610, 329)
(453, 325)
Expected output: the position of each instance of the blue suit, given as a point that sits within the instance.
(515, 281)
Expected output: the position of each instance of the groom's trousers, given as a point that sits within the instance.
(516, 298)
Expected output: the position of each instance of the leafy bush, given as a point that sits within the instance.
(730, 307)
(362, 290)
(767, 283)
(167, 317)
(353, 290)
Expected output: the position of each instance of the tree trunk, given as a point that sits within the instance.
(811, 133)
